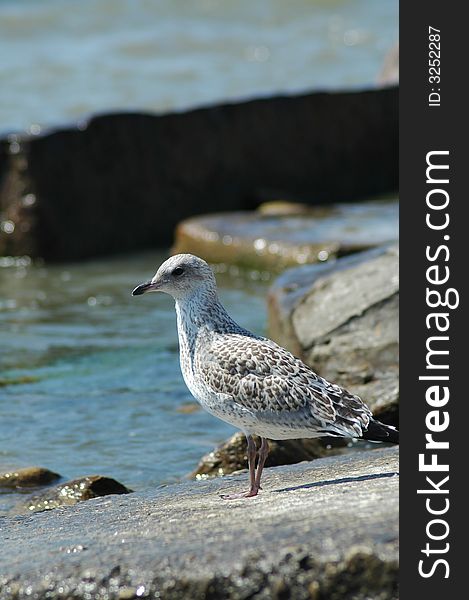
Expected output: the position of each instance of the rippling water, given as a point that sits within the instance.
(61, 59)
(93, 377)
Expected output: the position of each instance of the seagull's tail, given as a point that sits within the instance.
(379, 432)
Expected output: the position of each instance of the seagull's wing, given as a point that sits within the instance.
(263, 377)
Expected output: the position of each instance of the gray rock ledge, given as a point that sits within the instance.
(342, 320)
(322, 529)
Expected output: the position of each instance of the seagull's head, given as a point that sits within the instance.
(181, 276)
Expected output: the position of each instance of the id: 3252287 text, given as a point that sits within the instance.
(434, 66)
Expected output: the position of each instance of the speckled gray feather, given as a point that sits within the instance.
(245, 379)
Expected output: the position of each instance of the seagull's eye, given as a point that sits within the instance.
(178, 271)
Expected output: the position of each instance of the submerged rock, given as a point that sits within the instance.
(28, 477)
(231, 455)
(342, 320)
(76, 490)
(280, 235)
(188, 408)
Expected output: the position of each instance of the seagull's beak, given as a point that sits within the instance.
(149, 286)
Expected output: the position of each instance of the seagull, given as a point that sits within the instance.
(248, 380)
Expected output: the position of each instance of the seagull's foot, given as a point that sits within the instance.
(252, 492)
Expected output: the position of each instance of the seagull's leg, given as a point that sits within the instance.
(252, 452)
(263, 453)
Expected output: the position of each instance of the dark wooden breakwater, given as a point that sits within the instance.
(121, 182)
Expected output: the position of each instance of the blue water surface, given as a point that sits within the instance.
(61, 60)
(89, 375)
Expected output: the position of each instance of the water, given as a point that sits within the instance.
(61, 59)
(102, 390)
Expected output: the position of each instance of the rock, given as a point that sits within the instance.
(342, 319)
(76, 490)
(327, 529)
(128, 179)
(389, 74)
(27, 477)
(282, 207)
(273, 238)
(231, 455)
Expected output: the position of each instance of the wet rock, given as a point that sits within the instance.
(231, 455)
(326, 529)
(141, 174)
(27, 477)
(282, 207)
(342, 319)
(281, 235)
(76, 490)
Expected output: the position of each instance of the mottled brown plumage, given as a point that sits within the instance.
(279, 389)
